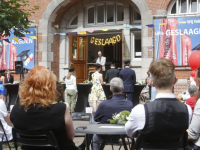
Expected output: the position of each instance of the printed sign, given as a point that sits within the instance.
(176, 38)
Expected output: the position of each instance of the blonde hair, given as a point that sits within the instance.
(71, 73)
(39, 87)
(163, 73)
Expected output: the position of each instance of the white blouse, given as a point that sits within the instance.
(71, 83)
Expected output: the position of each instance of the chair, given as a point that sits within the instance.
(40, 138)
(4, 134)
(79, 116)
(153, 142)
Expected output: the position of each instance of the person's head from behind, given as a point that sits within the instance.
(112, 65)
(116, 85)
(71, 72)
(98, 67)
(59, 92)
(99, 53)
(188, 81)
(38, 88)
(192, 89)
(163, 74)
(147, 80)
(127, 62)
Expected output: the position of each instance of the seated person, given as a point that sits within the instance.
(194, 128)
(5, 120)
(144, 95)
(107, 108)
(37, 109)
(192, 89)
(165, 116)
(186, 94)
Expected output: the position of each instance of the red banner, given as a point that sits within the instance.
(168, 41)
(186, 49)
(13, 56)
(3, 65)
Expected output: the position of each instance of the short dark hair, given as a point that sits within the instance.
(113, 65)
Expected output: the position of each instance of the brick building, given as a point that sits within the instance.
(127, 18)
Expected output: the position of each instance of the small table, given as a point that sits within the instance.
(103, 129)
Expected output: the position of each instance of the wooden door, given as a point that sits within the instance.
(78, 54)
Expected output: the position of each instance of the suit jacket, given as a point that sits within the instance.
(11, 79)
(107, 108)
(129, 79)
(111, 73)
(102, 62)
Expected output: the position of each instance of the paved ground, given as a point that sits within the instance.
(77, 141)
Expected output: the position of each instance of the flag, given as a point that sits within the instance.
(186, 49)
(33, 37)
(16, 39)
(168, 41)
(13, 56)
(24, 38)
(90, 31)
(104, 29)
(3, 65)
(73, 33)
(150, 25)
(83, 32)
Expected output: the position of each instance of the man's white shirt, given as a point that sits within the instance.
(137, 117)
(7, 128)
(102, 62)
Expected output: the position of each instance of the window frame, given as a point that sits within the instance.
(116, 13)
(178, 7)
(133, 21)
(105, 23)
(69, 26)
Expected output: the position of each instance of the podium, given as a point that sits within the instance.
(91, 68)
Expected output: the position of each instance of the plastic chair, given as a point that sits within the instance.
(4, 134)
(150, 141)
(39, 138)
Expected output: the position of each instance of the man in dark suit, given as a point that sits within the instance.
(111, 73)
(9, 79)
(129, 79)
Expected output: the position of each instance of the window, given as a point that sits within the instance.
(73, 22)
(136, 45)
(135, 15)
(100, 14)
(184, 7)
(91, 15)
(104, 13)
(120, 13)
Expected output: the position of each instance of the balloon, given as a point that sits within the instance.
(96, 40)
(92, 40)
(103, 44)
(99, 42)
(194, 60)
(118, 38)
(193, 73)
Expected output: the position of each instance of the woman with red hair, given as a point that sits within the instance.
(38, 111)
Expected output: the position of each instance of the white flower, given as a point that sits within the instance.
(127, 118)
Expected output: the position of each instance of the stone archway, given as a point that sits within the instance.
(50, 15)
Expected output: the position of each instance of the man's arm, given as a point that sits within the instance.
(136, 120)
(134, 78)
(12, 79)
(99, 112)
(106, 77)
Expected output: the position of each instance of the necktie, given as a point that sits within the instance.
(100, 59)
(8, 77)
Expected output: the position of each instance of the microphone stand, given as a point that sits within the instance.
(95, 60)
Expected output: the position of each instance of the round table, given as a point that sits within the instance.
(102, 129)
